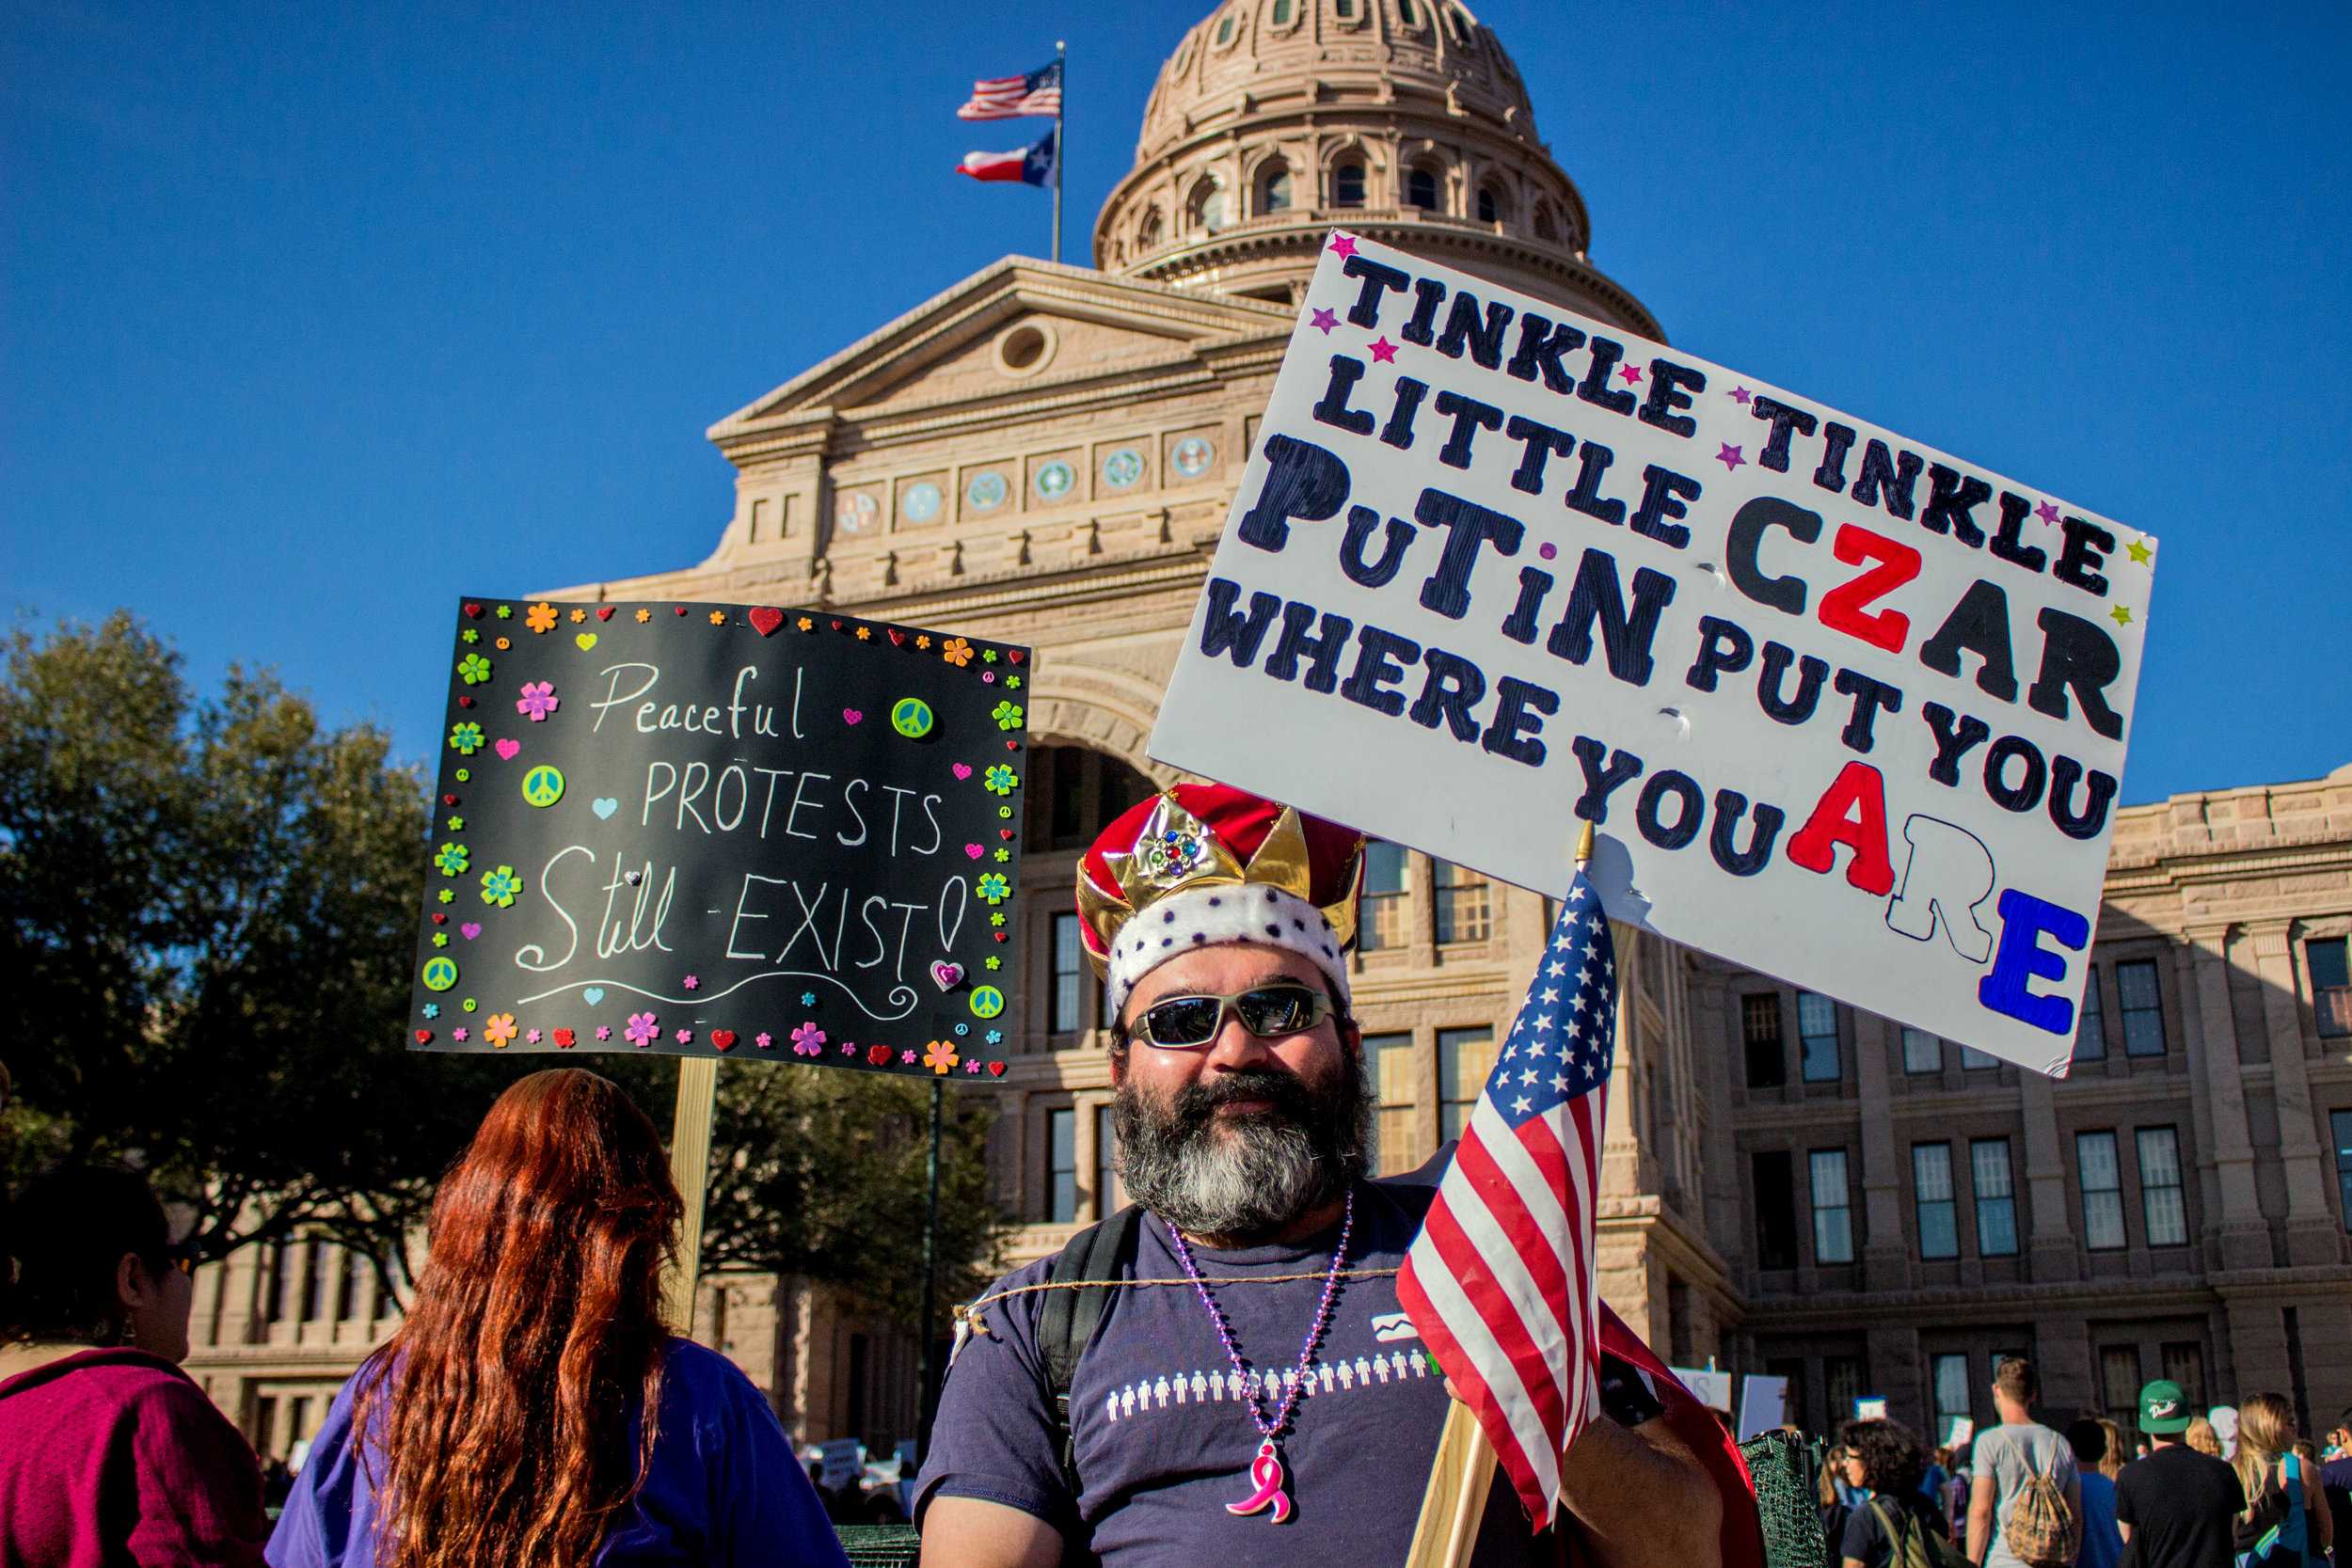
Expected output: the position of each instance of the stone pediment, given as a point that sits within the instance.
(965, 346)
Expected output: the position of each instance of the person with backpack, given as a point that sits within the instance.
(1089, 1420)
(2025, 1502)
(2178, 1507)
(2286, 1521)
(1895, 1524)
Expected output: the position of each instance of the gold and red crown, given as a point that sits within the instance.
(1210, 836)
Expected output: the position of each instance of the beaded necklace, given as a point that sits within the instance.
(1265, 1470)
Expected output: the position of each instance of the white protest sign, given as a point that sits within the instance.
(1763, 1405)
(1711, 1388)
(1841, 707)
(1871, 1409)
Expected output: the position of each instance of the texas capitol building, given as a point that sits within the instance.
(1046, 454)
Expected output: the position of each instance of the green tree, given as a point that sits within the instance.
(821, 1172)
(209, 907)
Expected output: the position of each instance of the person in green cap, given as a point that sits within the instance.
(2177, 1507)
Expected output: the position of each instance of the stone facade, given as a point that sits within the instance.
(1046, 454)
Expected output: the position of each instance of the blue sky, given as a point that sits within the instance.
(310, 315)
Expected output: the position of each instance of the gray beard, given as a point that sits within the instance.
(1243, 1180)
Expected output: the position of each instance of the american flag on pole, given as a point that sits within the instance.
(1033, 92)
(1500, 1279)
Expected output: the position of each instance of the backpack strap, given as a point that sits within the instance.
(1066, 1326)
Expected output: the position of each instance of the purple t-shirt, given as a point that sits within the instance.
(1164, 1439)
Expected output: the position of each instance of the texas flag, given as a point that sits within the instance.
(1031, 166)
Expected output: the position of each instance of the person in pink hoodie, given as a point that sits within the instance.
(110, 1453)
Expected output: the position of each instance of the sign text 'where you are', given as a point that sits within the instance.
(1844, 708)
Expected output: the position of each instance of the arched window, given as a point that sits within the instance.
(1147, 236)
(1491, 207)
(1225, 30)
(1208, 206)
(1274, 187)
(1284, 11)
(1083, 789)
(1545, 228)
(1420, 189)
(1344, 10)
(1407, 13)
(1347, 184)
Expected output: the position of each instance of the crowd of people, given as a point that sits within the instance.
(504, 1422)
(2023, 1496)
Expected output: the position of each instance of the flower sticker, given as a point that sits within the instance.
(506, 613)
(447, 896)
(717, 617)
(470, 636)
(540, 617)
(458, 1035)
(763, 1040)
(643, 1030)
(1003, 855)
(450, 859)
(994, 888)
(956, 651)
(1008, 716)
(465, 739)
(1000, 779)
(939, 1056)
(807, 1040)
(604, 1031)
(996, 917)
(473, 669)
(433, 1009)
(499, 1029)
(995, 1037)
(643, 616)
(684, 1036)
(988, 656)
(993, 961)
(1013, 683)
(578, 616)
(500, 886)
(693, 983)
(808, 999)
(538, 701)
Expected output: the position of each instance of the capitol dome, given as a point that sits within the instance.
(1278, 121)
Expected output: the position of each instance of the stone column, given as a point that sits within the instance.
(2310, 1220)
(1885, 1256)
(2050, 1250)
(2241, 1237)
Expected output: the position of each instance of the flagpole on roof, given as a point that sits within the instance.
(1061, 143)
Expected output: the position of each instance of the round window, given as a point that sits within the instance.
(921, 502)
(1025, 349)
(985, 491)
(1056, 480)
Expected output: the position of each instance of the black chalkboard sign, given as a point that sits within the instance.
(697, 827)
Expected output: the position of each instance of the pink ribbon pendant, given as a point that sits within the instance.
(1266, 1474)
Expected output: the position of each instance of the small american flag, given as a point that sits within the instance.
(1036, 92)
(1500, 1279)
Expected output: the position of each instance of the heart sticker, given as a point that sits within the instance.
(586, 640)
(897, 638)
(1015, 655)
(877, 1054)
(1005, 833)
(474, 610)
(470, 930)
(593, 996)
(944, 975)
(425, 1037)
(851, 715)
(565, 1037)
(995, 1069)
(974, 851)
(764, 620)
(439, 919)
(724, 1040)
(961, 770)
(507, 749)
(604, 806)
(604, 612)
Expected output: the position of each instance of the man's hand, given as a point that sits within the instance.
(970, 1533)
(1642, 1499)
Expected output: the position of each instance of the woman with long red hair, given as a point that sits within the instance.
(507, 1421)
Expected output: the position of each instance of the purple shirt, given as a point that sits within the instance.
(114, 1456)
(724, 1487)
(1165, 1439)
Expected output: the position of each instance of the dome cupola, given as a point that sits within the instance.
(1278, 121)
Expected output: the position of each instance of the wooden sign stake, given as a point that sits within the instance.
(689, 1167)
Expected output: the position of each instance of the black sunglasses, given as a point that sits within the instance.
(1191, 1022)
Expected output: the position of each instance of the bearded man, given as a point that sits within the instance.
(1252, 1390)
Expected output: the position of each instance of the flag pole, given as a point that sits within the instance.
(1061, 142)
(1464, 1471)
